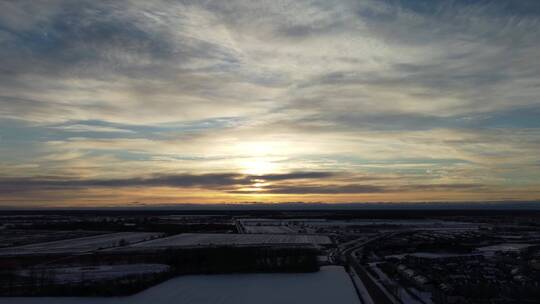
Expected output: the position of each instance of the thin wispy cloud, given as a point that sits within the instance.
(376, 97)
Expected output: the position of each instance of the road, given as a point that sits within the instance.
(239, 226)
(376, 293)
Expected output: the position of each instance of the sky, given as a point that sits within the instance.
(129, 103)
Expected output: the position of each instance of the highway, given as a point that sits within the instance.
(376, 293)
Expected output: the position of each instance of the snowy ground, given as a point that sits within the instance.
(269, 229)
(21, 237)
(80, 245)
(206, 239)
(504, 247)
(95, 273)
(330, 285)
(408, 223)
(431, 255)
(356, 222)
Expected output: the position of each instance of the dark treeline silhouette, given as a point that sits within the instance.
(330, 211)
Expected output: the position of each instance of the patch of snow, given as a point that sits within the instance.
(95, 273)
(505, 247)
(431, 255)
(80, 245)
(207, 239)
(269, 229)
(330, 285)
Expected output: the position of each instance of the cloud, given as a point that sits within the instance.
(296, 175)
(209, 181)
(108, 91)
(226, 182)
(88, 128)
(359, 189)
(322, 189)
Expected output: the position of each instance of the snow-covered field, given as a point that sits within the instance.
(80, 245)
(95, 273)
(323, 223)
(504, 247)
(330, 285)
(21, 237)
(206, 239)
(376, 222)
(269, 229)
(431, 255)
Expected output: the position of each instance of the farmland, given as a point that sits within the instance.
(188, 258)
(269, 229)
(70, 275)
(80, 245)
(208, 239)
(20, 237)
(330, 285)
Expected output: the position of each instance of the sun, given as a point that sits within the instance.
(261, 157)
(258, 166)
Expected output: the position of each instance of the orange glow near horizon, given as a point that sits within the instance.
(289, 101)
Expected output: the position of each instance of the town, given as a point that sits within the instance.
(381, 256)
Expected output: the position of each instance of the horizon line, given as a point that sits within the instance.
(290, 206)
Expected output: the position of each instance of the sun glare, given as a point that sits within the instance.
(261, 160)
(258, 166)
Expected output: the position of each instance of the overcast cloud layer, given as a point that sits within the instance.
(110, 102)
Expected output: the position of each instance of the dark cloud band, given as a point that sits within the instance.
(210, 181)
